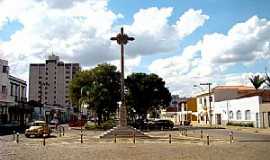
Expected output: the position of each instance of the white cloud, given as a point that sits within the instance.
(245, 42)
(80, 31)
(130, 64)
(154, 34)
(208, 60)
(189, 22)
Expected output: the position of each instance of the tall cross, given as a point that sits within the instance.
(122, 39)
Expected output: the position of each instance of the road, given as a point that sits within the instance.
(248, 146)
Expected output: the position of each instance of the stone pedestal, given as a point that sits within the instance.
(123, 116)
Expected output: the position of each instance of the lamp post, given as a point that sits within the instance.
(210, 100)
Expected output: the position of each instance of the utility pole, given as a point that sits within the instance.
(210, 100)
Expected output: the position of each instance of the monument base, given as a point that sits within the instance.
(123, 132)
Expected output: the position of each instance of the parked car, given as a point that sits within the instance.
(163, 124)
(38, 129)
(143, 124)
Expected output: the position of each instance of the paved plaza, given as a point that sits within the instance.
(246, 146)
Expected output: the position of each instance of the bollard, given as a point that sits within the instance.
(231, 137)
(201, 134)
(114, 138)
(134, 138)
(161, 128)
(186, 132)
(14, 135)
(170, 138)
(60, 134)
(208, 140)
(44, 139)
(63, 131)
(17, 140)
(81, 137)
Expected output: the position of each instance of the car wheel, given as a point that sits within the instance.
(27, 135)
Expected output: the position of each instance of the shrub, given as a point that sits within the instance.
(241, 124)
(103, 126)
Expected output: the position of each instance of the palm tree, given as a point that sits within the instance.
(267, 80)
(257, 81)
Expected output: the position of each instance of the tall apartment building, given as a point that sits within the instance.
(48, 83)
(12, 95)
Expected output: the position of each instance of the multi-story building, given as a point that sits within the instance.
(12, 96)
(48, 82)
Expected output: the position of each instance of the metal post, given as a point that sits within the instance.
(59, 132)
(17, 140)
(231, 137)
(114, 138)
(81, 137)
(186, 131)
(201, 134)
(14, 135)
(170, 138)
(63, 131)
(44, 137)
(208, 140)
(134, 138)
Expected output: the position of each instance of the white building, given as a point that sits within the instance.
(206, 112)
(12, 96)
(253, 109)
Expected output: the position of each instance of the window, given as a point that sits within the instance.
(5, 69)
(247, 115)
(231, 115)
(200, 100)
(4, 89)
(11, 89)
(238, 115)
(204, 101)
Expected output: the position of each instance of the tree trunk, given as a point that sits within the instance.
(99, 118)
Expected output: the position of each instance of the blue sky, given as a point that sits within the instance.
(184, 42)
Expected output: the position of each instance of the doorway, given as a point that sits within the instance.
(218, 119)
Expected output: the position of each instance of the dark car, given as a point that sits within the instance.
(143, 124)
(163, 124)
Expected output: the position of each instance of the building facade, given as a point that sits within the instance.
(250, 111)
(48, 82)
(218, 93)
(184, 112)
(13, 107)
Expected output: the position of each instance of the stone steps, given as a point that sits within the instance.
(123, 132)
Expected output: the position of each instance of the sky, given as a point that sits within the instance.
(185, 42)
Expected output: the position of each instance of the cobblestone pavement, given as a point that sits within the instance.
(69, 147)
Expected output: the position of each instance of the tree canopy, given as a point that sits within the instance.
(146, 93)
(99, 88)
(257, 81)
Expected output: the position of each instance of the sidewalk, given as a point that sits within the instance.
(249, 129)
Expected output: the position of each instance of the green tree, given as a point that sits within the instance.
(257, 81)
(146, 93)
(99, 88)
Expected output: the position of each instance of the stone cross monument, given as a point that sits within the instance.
(122, 39)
